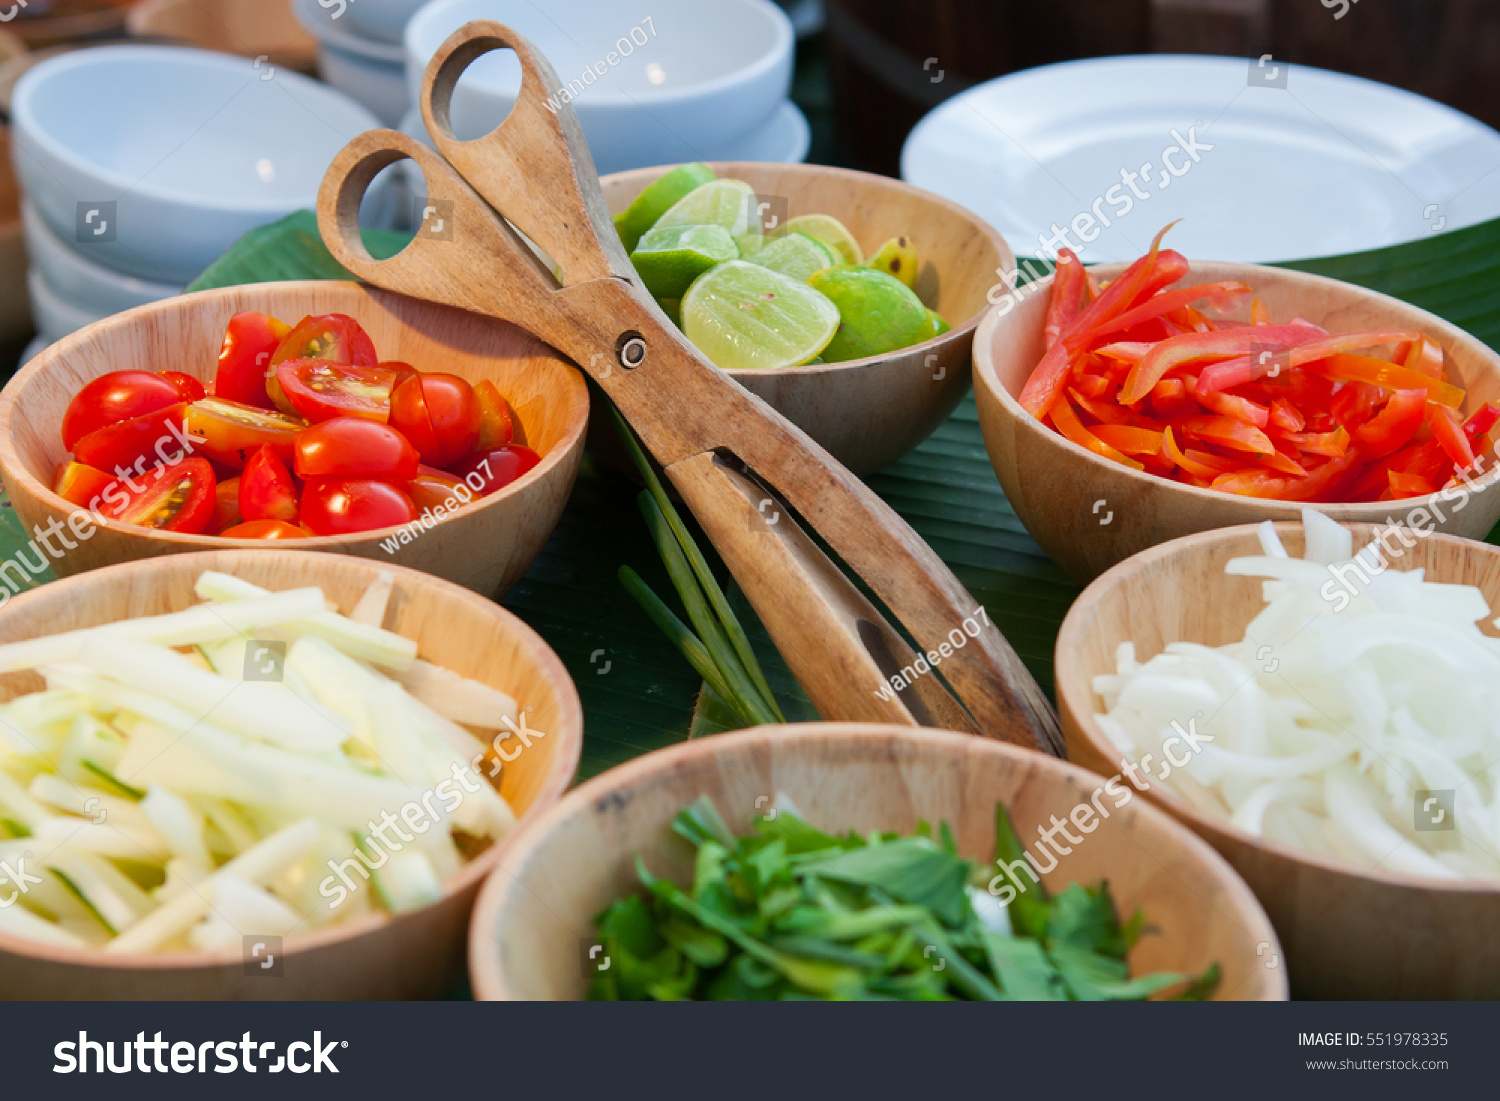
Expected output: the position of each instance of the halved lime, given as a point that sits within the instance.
(899, 258)
(830, 231)
(742, 315)
(877, 312)
(726, 203)
(660, 195)
(669, 258)
(939, 326)
(796, 255)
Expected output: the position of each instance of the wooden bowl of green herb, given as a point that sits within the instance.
(745, 866)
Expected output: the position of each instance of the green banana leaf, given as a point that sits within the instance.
(638, 693)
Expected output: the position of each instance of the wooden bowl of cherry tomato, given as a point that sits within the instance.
(321, 415)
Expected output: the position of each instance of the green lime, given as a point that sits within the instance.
(660, 196)
(877, 312)
(742, 315)
(831, 232)
(669, 258)
(672, 307)
(796, 255)
(939, 326)
(726, 203)
(897, 257)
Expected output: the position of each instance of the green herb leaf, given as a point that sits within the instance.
(1028, 909)
(912, 869)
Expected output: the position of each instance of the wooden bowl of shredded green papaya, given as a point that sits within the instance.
(856, 861)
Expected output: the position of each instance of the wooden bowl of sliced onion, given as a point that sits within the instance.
(1327, 721)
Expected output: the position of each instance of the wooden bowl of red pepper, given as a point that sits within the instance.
(1131, 404)
(335, 467)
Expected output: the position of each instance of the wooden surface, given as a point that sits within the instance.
(534, 920)
(535, 171)
(867, 413)
(417, 955)
(250, 28)
(486, 546)
(62, 21)
(1347, 933)
(15, 306)
(1088, 513)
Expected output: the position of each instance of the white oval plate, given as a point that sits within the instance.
(1303, 163)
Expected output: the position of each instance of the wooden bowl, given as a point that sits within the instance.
(63, 21)
(870, 412)
(1088, 513)
(251, 28)
(535, 917)
(15, 304)
(417, 955)
(486, 545)
(1348, 933)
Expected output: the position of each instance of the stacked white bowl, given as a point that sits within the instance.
(359, 49)
(687, 81)
(141, 165)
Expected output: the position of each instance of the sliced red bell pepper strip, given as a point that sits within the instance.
(1264, 484)
(1129, 439)
(1231, 405)
(1482, 420)
(1332, 444)
(1069, 425)
(1285, 417)
(1192, 464)
(1402, 486)
(1228, 432)
(1393, 427)
(1448, 430)
(1422, 355)
(1259, 315)
(1355, 402)
(1168, 301)
(1066, 302)
(1379, 372)
(1192, 348)
(1125, 351)
(1107, 412)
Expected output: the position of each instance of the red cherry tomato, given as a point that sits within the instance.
(226, 506)
(79, 484)
(179, 497)
(188, 388)
(112, 398)
(138, 443)
(332, 336)
(264, 529)
(319, 389)
(229, 432)
(245, 356)
(347, 447)
(439, 414)
(267, 491)
(434, 489)
(495, 428)
(342, 506)
(487, 471)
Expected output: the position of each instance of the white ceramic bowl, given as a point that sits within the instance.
(698, 76)
(79, 281)
(192, 147)
(55, 316)
(381, 20)
(379, 86)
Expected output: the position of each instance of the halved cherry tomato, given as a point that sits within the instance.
(188, 388)
(179, 497)
(138, 443)
(433, 489)
(319, 389)
(439, 414)
(230, 432)
(267, 491)
(112, 398)
(347, 447)
(265, 529)
(492, 470)
(250, 339)
(495, 427)
(80, 484)
(226, 506)
(342, 506)
(333, 336)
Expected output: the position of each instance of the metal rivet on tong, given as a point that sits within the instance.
(630, 350)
